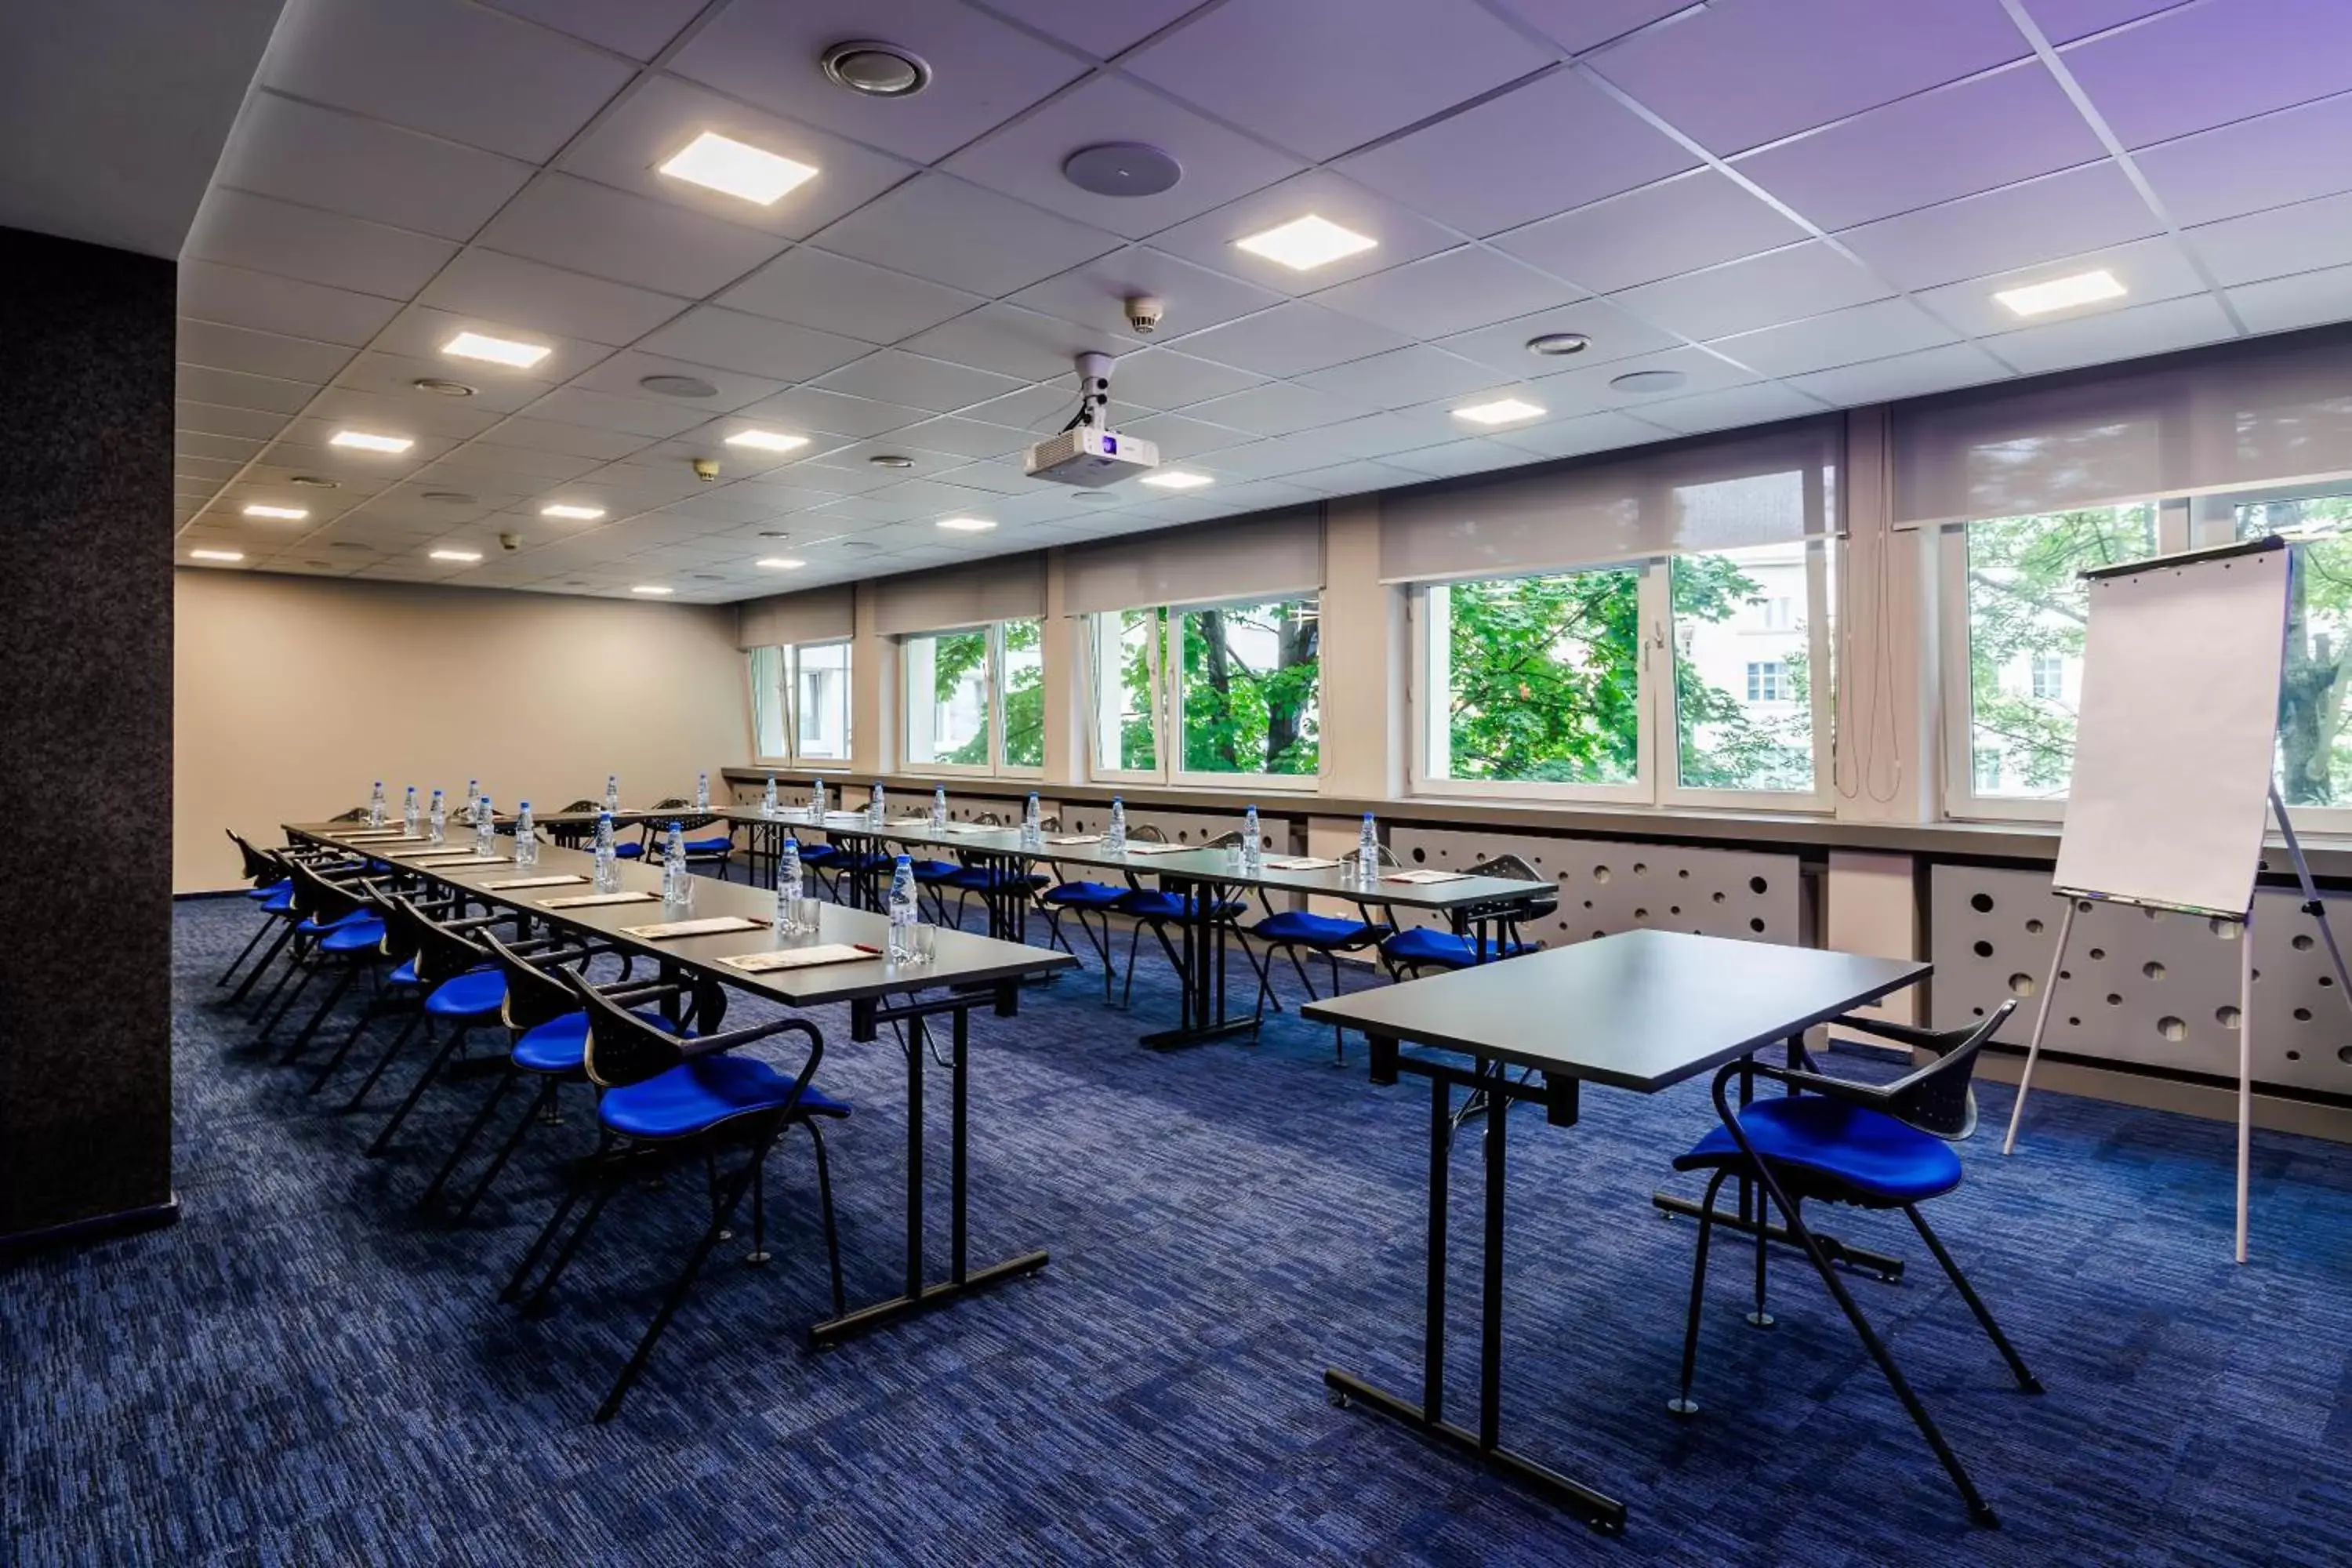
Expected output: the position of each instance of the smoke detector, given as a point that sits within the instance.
(875, 70)
(1558, 346)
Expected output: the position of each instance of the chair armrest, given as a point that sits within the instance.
(710, 1044)
(643, 991)
(1902, 1034)
(1845, 1089)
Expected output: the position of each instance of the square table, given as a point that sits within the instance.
(1641, 1011)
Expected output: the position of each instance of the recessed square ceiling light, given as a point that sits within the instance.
(216, 554)
(967, 524)
(577, 513)
(1502, 411)
(654, 588)
(367, 443)
(782, 562)
(497, 350)
(1306, 243)
(2062, 293)
(457, 556)
(736, 168)
(1177, 479)
(284, 513)
(767, 440)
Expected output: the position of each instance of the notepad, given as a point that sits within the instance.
(1076, 839)
(533, 883)
(376, 838)
(453, 857)
(799, 958)
(712, 925)
(590, 901)
(1426, 877)
(920, 822)
(1157, 848)
(1298, 863)
(969, 828)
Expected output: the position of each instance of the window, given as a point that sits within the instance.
(2315, 752)
(768, 704)
(2017, 609)
(1231, 690)
(800, 702)
(1549, 685)
(975, 699)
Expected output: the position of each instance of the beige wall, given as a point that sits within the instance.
(293, 694)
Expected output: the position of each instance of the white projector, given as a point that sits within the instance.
(1091, 457)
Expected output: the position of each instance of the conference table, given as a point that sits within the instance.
(1639, 1011)
(1201, 880)
(966, 972)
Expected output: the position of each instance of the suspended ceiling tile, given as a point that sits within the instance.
(414, 415)
(1574, 438)
(422, 332)
(1734, 406)
(2147, 270)
(890, 375)
(1614, 335)
(637, 28)
(1282, 408)
(2062, 214)
(2197, 66)
(259, 354)
(237, 298)
(2306, 299)
(603, 411)
(624, 375)
(1787, 285)
(587, 228)
(1100, 30)
(1902, 375)
(1291, 339)
(2300, 239)
(1000, 245)
(1877, 331)
(305, 154)
(812, 288)
(778, 351)
(1399, 235)
(2273, 161)
(813, 409)
(1178, 435)
(230, 389)
(1696, 220)
(1452, 291)
(1401, 377)
(1165, 378)
(546, 299)
(2120, 334)
(1010, 341)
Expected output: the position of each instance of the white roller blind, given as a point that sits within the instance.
(1004, 588)
(1765, 487)
(1268, 555)
(2235, 417)
(820, 615)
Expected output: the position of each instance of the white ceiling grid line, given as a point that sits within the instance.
(920, 296)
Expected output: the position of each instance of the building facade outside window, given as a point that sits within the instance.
(800, 703)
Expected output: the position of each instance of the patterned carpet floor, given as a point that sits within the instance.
(307, 1370)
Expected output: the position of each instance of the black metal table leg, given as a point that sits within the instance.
(1201, 1016)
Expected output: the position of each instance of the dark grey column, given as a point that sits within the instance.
(85, 737)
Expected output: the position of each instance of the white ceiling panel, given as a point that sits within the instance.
(1614, 336)
(1767, 400)
(548, 299)
(2197, 66)
(1697, 220)
(1877, 331)
(2300, 239)
(2306, 299)
(1452, 291)
(644, 416)
(812, 288)
(1094, 295)
(2063, 21)
(2114, 334)
(662, 114)
(1101, 30)
(211, 418)
(709, 334)
(1450, 459)
(1807, 279)
(1902, 375)
(1024, 158)
(1575, 437)
(588, 228)
(891, 375)
(278, 237)
(637, 28)
(1954, 142)
(1375, 69)
(418, 415)
(1016, 342)
(1739, 73)
(232, 295)
(1291, 339)
(1587, 388)
(221, 347)
(302, 152)
(1163, 378)
(812, 409)
(2148, 270)
(622, 374)
(567, 440)
(1515, 143)
(231, 389)
(1179, 436)
(422, 332)
(965, 438)
(1000, 245)
(1400, 377)
(447, 67)
(1399, 235)
(2042, 219)
(1283, 407)
(2290, 157)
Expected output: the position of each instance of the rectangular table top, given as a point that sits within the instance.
(1219, 866)
(1639, 1010)
(962, 959)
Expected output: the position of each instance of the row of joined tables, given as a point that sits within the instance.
(1640, 1011)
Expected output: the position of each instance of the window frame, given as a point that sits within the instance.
(1166, 657)
(997, 766)
(787, 699)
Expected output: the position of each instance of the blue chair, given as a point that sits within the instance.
(665, 1095)
(1874, 1146)
(1079, 899)
(1156, 908)
(272, 894)
(334, 931)
(462, 992)
(1409, 950)
(1293, 932)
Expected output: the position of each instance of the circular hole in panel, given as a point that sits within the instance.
(2081, 906)
(2076, 1022)
(2065, 975)
(1756, 884)
(1982, 950)
(2302, 1015)
(1977, 1011)
(1598, 935)
(1601, 873)
(1419, 856)
(1674, 908)
(1757, 924)
(2326, 979)
(1588, 903)
(2302, 943)
(2114, 999)
(1641, 914)
(1684, 873)
(2295, 1056)
(2226, 1016)
(1641, 869)
(2171, 1028)
(2152, 968)
(2344, 1054)
(2097, 953)
(1981, 903)
(2033, 928)
(1718, 898)
(2022, 984)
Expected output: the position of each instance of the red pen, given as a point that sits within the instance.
(863, 948)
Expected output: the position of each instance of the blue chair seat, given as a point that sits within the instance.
(819, 854)
(352, 936)
(1838, 1150)
(561, 1045)
(1085, 895)
(982, 878)
(476, 994)
(1423, 945)
(311, 927)
(404, 975)
(277, 900)
(711, 845)
(930, 871)
(700, 1094)
(1321, 931)
(627, 851)
(1157, 904)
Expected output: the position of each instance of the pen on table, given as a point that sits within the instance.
(862, 947)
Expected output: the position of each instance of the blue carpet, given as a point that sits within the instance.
(305, 1370)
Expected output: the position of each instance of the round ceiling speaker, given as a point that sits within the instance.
(313, 482)
(890, 460)
(1558, 346)
(1122, 169)
(449, 498)
(774, 533)
(857, 546)
(876, 69)
(677, 385)
(1650, 382)
(439, 387)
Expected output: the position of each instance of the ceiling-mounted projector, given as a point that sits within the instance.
(1088, 452)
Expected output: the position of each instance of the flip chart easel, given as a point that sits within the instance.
(2171, 789)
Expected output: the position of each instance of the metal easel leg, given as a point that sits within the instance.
(2246, 1067)
(2040, 1023)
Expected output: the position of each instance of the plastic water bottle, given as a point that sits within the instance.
(486, 829)
(702, 792)
(438, 820)
(612, 791)
(677, 888)
(768, 799)
(1367, 852)
(938, 807)
(816, 800)
(875, 806)
(788, 873)
(608, 866)
(902, 907)
(1114, 835)
(473, 797)
(1033, 825)
(375, 805)
(526, 837)
(1252, 843)
(408, 813)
